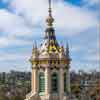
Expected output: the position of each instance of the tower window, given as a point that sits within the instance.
(65, 87)
(41, 82)
(54, 82)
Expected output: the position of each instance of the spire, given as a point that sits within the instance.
(34, 50)
(50, 38)
(50, 11)
(67, 50)
(50, 19)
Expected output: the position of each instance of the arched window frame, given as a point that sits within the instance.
(54, 82)
(41, 83)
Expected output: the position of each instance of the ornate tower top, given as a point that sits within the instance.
(50, 67)
(50, 19)
(50, 45)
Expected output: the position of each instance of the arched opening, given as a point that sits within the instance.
(65, 84)
(54, 83)
(41, 82)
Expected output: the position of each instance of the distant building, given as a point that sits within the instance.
(50, 67)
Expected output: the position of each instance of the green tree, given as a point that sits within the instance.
(17, 98)
(3, 98)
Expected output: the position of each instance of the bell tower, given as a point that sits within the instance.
(50, 67)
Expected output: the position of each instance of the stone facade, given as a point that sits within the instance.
(53, 61)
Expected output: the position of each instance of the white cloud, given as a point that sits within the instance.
(12, 24)
(33, 10)
(3, 42)
(14, 61)
(12, 57)
(72, 18)
(76, 48)
(77, 65)
(12, 41)
(93, 57)
(29, 13)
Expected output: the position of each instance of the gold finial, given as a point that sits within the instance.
(50, 19)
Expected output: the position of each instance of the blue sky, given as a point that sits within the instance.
(23, 21)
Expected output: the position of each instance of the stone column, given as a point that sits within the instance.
(61, 83)
(34, 80)
(47, 81)
(68, 81)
